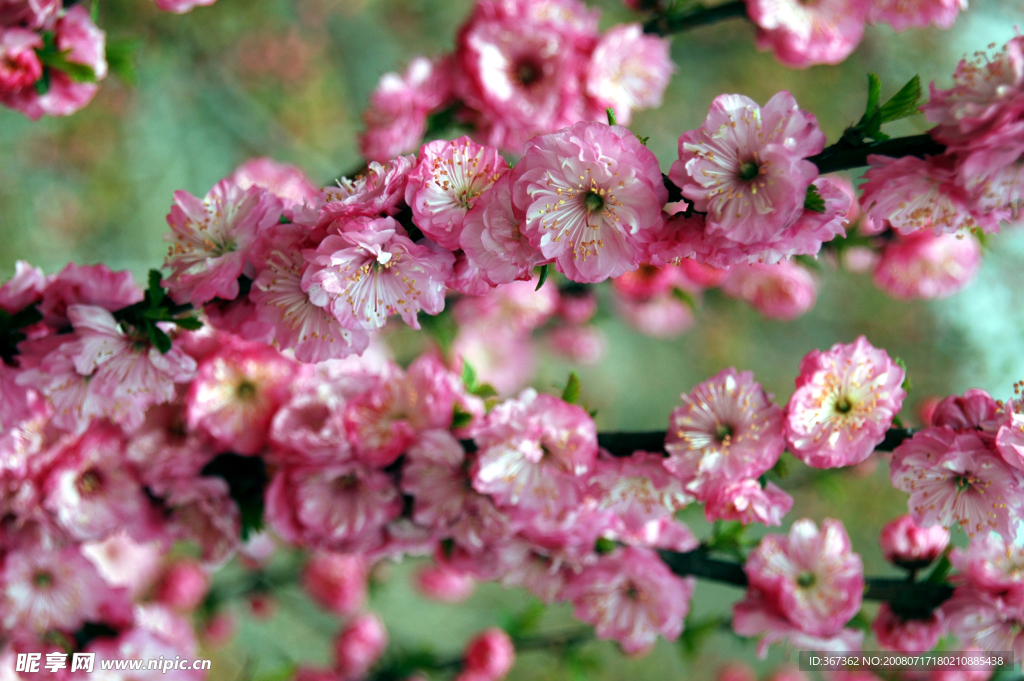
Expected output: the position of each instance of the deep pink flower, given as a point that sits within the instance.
(43, 589)
(283, 180)
(33, 14)
(845, 401)
(906, 544)
(591, 196)
(904, 14)
(957, 479)
(974, 411)
(183, 586)
(534, 452)
(803, 34)
(781, 291)
(448, 178)
(86, 285)
(637, 489)
(211, 239)
(490, 655)
(991, 175)
(745, 166)
(182, 6)
(369, 275)
(380, 189)
(811, 577)
(443, 584)
(236, 393)
(629, 70)
(359, 645)
(727, 429)
(492, 239)
(336, 581)
(23, 289)
(926, 266)
(20, 67)
(632, 597)
(748, 502)
(907, 635)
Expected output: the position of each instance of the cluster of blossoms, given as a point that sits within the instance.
(521, 68)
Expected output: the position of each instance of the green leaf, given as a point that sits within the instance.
(485, 391)
(695, 632)
(906, 374)
(860, 621)
(874, 96)
(441, 327)
(159, 339)
(524, 621)
(941, 570)
(643, 139)
(813, 201)
(543, 276)
(468, 376)
(190, 323)
(605, 545)
(460, 418)
(94, 12)
(611, 116)
(54, 59)
(780, 469)
(902, 104)
(810, 262)
(156, 291)
(685, 297)
(122, 56)
(247, 480)
(571, 393)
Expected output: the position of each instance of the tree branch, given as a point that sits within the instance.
(668, 23)
(841, 156)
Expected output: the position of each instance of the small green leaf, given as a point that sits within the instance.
(43, 84)
(571, 394)
(902, 104)
(57, 60)
(906, 374)
(121, 58)
(485, 391)
(159, 339)
(643, 139)
(604, 545)
(94, 12)
(860, 621)
(156, 291)
(524, 621)
(611, 116)
(543, 276)
(468, 376)
(813, 201)
(460, 418)
(685, 297)
(190, 323)
(874, 95)
(941, 570)
(780, 469)
(810, 262)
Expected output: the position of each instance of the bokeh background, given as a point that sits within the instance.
(289, 79)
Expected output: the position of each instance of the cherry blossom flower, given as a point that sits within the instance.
(443, 584)
(359, 645)
(368, 275)
(907, 635)
(591, 196)
(926, 266)
(201, 510)
(727, 429)
(122, 561)
(637, 489)
(745, 166)
(579, 344)
(781, 291)
(629, 70)
(980, 619)
(182, 6)
(748, 502)
(991, 564)
(663, 316)
(86, 285)
(336, 581)
(183, 585)
(283, 180)
(974, 411)
(211, 239)
(902, 15)
(445, 184)
(20, 67)
(845, 401)
(957, 479)
(492, 239)
(632, 597)
(803, 34)
(43, 589)
(33, 14)
(380, 189)
(992, 177)
(910, 546)
(490, 655)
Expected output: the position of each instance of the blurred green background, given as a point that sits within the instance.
(289, 79)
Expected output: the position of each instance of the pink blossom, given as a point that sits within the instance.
(518, 306)
(782, 291)
(736, 671)
(156, 633)
(757, 615)
(211, 239)
(503, 358)
(184, 586)
(396, 119)
(86, 285)
(902, 15)
(845, 401)
(910, 546)
(632, 597)
(955, 478)
(343, 507)
(745, 166)
(727, 429)
(366, 276)
(33, 14)
(595, 227)
(991, 563)
(201, 510)
(443, 584)
(43, 589)
(803, 34)
(916, 194)
(991, 176)
(492, 239)
(981, 619)
(236, 392)
(122, 561)
(629, 70)
(78, 38)
(182, 6)
(533, 452)
(579, 344)
(20, 67)
(448, 178)
(663, 316)
(974, 411)
(336, 581)
(748, 502)
(379, 189)
(283, 180)
(577, 307)
(490, 655)
(359, 646)
(23, 289)
(907, 635)
(637, 489)
(811, 577)
(926, 266)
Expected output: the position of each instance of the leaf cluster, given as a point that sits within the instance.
(903, 104)
(154, 308)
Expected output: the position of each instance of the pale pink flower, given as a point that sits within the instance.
(663, 316)
(637, 489)
(182, 6)
(43, 589)
(448, 178)
(632, 597)
(359, 645)
(183, 586)
(518, 306)
(916, 194)
(811, 577)
(157, 634)
(577, 306)
(336, 581)
(503, 358)
(490, 655)
(991, 563)
(20, 67)
(492, 239)
(957, 479)
(343, 507)
(578, 344)
(907, 635)
(443, 584)
(748, 502)
(926, 266)
(23, 289)
(906, 544)
(33, 14)
(380, 189)
(211, 238)
(758, 615)
(86, 285)
(904, 14)
(736, 671)
(629, 70)
(781, 291)
(845, 401)
(745, 166)
(991, 175)
(534, 452)
(202, 511)
(727, 429)
(369, 275)
(236, 393)
(122, 561)
(985, 620)
(591, 196)
(803, 34)
(283, 180)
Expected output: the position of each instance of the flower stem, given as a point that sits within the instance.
(670, 22)
(624, 444)
(842, 156)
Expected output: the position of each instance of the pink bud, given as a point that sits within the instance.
(360, 645)
(183, 586)
(444, 584)
(490, 655)
(737, 671)
(895, 633)
(577, 307)
(336, 581)
(262, 606)
(219, 630)
(910, 546)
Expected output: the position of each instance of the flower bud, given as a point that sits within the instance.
(444, 584)
(359, 646)
(490, 655)
(336, 581)
(183, 586)
(910, 546)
